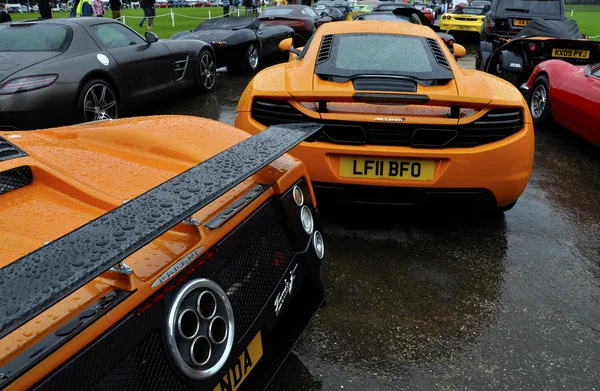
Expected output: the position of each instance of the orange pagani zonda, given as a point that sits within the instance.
(403, 123)
(159, 253)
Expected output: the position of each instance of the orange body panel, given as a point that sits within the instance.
(503, 167)
(80, 173)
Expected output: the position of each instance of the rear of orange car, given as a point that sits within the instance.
(161, 253)
(403, 123)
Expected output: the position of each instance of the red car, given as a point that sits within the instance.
(424, 8)
(568, 94)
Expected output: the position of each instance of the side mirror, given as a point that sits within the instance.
(459, 51)
(287, 46)
(587, 70)
(324, 13)
(151, 37)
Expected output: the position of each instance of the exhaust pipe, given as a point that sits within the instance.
(206, 304)
(188, 324)
(217, 330)
(200, 351)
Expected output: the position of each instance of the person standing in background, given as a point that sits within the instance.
(115, 7)
(98, 8)
(149, 13)
(82, 8)
(45, 9)
(226, 5)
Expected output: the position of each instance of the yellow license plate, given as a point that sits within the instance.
(521, 22)
(384, 168)
(464, 27)
(570, 53)
(242, 367)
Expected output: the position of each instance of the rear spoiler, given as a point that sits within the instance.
(37, 281)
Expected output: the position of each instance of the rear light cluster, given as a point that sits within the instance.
(532, 47)
(27, 83)
(490, 23)
(446, 17)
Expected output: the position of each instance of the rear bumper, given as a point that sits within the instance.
(132, 355)
(501, 168)
(43, 108)
(453, 25)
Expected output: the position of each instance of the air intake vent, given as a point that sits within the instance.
(325, 49)
(438, 53)
(276, 112)
(494, 126)
(15, 178)
(9, 151)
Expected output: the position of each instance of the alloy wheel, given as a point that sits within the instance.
(538, 101)
(99, 104)
(207, 71)
(253, 56)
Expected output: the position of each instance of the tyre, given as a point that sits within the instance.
(250, 61)
(97, 101)
(539, 102)
(206, 76)
(478, 60)
(252, 57)
(511, 77)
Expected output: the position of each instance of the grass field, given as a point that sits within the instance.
(185, 18)
(587, 17)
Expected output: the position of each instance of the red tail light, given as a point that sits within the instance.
(532, 47)
(296, 23)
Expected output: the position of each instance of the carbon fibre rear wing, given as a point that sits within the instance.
(37, 281)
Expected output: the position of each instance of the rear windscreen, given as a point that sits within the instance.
(533, 7)
(381, 16)
(470, 11)
(39, 37)
(274, 11)
(397, 55)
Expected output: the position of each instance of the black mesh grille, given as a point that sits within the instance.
(438, 53)
(15, 178)
(252, 277)
(9, 151)
(144, 368)
(494, 126)
(275, 112)
(325, 49)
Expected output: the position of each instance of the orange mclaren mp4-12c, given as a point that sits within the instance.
(403, 123)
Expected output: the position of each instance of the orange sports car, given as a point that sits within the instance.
(159, 253)
(403, 123)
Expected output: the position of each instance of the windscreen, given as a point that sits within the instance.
(533, 7)
(397, 55)
(321, 5)
(38, 37)
(275, 12)
(381, 16)
(387, 7)
(470, 11)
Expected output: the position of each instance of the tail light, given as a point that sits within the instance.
(27, 83)
(483, 19)
(532, 47)
(296, 23)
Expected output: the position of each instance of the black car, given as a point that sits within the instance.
(63, 71)
(389, 6)
(325, 6)
(408, 15)
(241, 42)
(486, 5)
(506, 18)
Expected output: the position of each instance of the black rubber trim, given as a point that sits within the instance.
(37, 281)
(390, 98)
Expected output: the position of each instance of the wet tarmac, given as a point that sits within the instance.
(453, 302)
